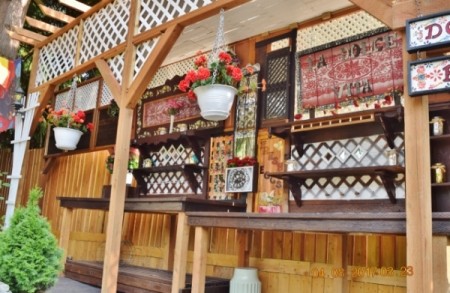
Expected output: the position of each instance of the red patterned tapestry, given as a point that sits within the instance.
(366, 67)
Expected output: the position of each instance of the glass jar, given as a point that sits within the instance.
(439, 173)
(437, 125)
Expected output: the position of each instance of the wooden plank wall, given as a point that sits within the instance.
(286, 261)
(5, 166)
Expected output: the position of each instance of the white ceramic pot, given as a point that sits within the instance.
(67, 138)
(215, 101)
(245, 280)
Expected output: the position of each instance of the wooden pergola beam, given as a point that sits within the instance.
(152, 64)
(41, 25)
(55, 14)
(75, 5)
(28, 34)
(22, 38)
(108, 77)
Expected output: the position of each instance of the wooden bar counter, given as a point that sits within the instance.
(177, 206)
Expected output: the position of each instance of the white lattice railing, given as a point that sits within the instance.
(107, 29)
(154, 13)
(85, 98)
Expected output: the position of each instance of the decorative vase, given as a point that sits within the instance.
(215, 101)
(67, 138)
(245, 280)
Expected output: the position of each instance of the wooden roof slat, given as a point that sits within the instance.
(55, 14)
(75, 5)
(41, 25)
(28, 34)
(22, 38)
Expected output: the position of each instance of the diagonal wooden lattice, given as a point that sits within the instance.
(106, 95)
(117, 64)
(352, 187)
(171, 182)
(277, 95)
(142, 53)
(154, 13)
(336, 29)
(105, 29)
(57, 57)
(86, 97)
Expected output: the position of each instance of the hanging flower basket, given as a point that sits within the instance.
(215, 101)
(67, 138)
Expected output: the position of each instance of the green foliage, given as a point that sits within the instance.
(29, 254)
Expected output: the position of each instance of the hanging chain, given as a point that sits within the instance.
(418, 10)
(72, 94)
(219, 44)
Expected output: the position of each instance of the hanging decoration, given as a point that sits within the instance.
(214, 82)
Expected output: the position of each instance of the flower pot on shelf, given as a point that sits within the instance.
(215, 101)
(66, 138)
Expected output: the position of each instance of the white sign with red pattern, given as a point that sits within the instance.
(429, 76)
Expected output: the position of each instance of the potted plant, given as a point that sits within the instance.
(68, 127)
(213, 85)
(173, 108)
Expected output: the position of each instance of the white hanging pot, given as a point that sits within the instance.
(67, 138)
(215, 101)
(245, 280)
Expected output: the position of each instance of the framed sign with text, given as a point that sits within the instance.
(428, 76)
(428, 32)
(366, 67)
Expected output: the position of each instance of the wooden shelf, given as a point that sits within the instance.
(295, 179)
(441, 185)
(364, 123)
(440, 137)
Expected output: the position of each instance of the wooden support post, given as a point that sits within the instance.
(243, 259)
(180, 254)
(440, 266)
(200, 257)
(64, 234)
(418, 188)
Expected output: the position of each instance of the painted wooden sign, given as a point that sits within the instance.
(428, 32)
(429, 76)
(155, 112)
(366, 67)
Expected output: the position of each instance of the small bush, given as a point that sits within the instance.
(29, 254)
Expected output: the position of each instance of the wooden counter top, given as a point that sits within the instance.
(385, 223)
(160, 204)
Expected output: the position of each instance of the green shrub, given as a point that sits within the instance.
(29, 254)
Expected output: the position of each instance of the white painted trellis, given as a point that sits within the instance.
(22, 127)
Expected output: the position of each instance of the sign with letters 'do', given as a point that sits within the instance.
(429, 76)
(428, 32)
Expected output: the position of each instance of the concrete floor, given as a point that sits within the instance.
(66, 285)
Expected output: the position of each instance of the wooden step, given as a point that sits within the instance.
(137, 279)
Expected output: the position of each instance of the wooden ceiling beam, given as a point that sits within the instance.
(55, 14)
(41, 25)
(75, 5)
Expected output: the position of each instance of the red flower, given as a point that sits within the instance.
(191, 96)
(225, 57)
(183, 85)
(203, 73)
(200, 61)
(298, 116)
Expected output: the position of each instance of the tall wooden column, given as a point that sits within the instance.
(418, 189)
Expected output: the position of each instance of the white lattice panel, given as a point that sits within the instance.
(106, 96)
(349, 153)
(57, 57)
(116, 64)
(336, 29)
(154, 13)
(142, 53)
(105, 29)
(86, 97)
